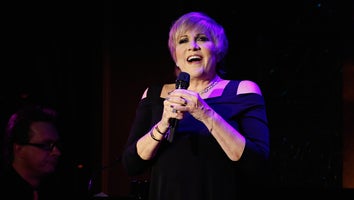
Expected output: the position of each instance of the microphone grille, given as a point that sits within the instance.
(183, 80)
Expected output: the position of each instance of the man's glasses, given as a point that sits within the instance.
(45, 146)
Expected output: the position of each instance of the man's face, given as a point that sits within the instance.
(40, 156)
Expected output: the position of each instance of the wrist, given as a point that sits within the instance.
(158, 130)
(161, 128)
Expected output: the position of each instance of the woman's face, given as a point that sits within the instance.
(195, 54)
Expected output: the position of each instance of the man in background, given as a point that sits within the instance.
(31, 154)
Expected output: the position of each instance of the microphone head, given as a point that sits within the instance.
(182, 81)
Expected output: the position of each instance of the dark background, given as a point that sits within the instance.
(92, 61)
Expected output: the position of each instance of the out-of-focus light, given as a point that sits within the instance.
(24, 95)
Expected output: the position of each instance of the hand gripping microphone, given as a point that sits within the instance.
(182, 82)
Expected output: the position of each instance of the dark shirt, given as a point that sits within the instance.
(14, 187)
(193, 166)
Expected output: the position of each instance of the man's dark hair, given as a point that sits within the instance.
(18, 127)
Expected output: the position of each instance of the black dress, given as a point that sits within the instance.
(193, 166)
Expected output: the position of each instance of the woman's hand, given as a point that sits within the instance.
(180, 101)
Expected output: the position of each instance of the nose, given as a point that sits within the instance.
(194, 45)
(56, 150)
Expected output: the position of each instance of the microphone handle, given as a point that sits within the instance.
(173, 127)
(182, 82)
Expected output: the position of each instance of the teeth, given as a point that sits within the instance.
(194, 57)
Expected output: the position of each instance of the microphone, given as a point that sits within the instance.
(182, 82)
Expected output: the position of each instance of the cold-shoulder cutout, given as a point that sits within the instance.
(247, 86)
(161, 89)
(145, 93)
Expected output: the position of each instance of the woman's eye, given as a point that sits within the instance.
(184, 40)
(203, 38)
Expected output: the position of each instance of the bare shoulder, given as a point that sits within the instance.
(164, 92)
(247, 86)
(145, 93)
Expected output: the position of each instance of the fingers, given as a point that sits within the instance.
(177, 101)
(173, 110)
(174, 107)
(185, 102)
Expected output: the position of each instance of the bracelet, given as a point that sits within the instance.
(158, 130)
(153, 137)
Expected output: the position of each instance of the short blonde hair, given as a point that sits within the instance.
(201, 22)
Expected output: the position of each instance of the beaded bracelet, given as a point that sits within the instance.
(153, 137)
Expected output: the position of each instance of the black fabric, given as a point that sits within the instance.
(193, 166)
(12, 186)
(53, 187)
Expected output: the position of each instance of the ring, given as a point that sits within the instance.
(173, 110)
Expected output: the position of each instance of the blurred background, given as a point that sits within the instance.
(93, 60)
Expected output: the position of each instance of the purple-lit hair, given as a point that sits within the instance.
(18, 129)
(203, 23)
